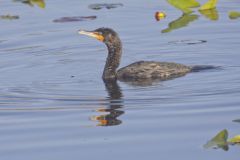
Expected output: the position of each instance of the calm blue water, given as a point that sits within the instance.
(54, 104)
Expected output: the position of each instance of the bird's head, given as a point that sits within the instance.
(106, 35)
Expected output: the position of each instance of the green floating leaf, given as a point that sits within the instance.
(211, 4)
(234, 140)
(219, 141)
(211, 14)
(183, 21)
(184, 5)
(233, 15)
(39, 3)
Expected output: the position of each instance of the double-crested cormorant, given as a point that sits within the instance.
(138, 71)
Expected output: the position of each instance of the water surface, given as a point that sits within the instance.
(54, 104)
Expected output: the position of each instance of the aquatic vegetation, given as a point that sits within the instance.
(184, 5)
(211, 14)
(183, 21)
(234, 140)
(218, 141)
(39, 3)
(211, 4)
(233, 15)
(208, 10)
(105, 5)
(221, 141)
(160, 15)
(74, 19)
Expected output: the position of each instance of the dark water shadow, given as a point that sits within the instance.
(187, 42)
(9, 17)
(149, 81)
(112, 108)
(99, 6)
(236, 120)
(74, 19)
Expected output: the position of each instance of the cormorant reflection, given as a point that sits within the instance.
(113, 106)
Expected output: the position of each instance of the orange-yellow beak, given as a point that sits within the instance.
(92, 34)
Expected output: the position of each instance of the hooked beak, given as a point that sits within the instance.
(92, 34)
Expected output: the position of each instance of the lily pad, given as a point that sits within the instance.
(219, 141)
(211, 14)
(233, 15)
(184, 5)
(39, 3)
(234, 140)
(181, 22)
(74, 19)
(105, 5)
(211, 4)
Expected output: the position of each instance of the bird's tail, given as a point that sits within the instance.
(199, 68)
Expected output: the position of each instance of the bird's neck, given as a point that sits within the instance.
(113, 60)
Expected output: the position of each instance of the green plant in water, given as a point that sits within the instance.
(219, 141)
(211, 4)
(184, 5)
(233, 15)
(211, 14)
(208, 10)
(183, 21)
(39, 3)
(234, 140)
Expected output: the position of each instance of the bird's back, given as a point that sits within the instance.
(152, 70)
